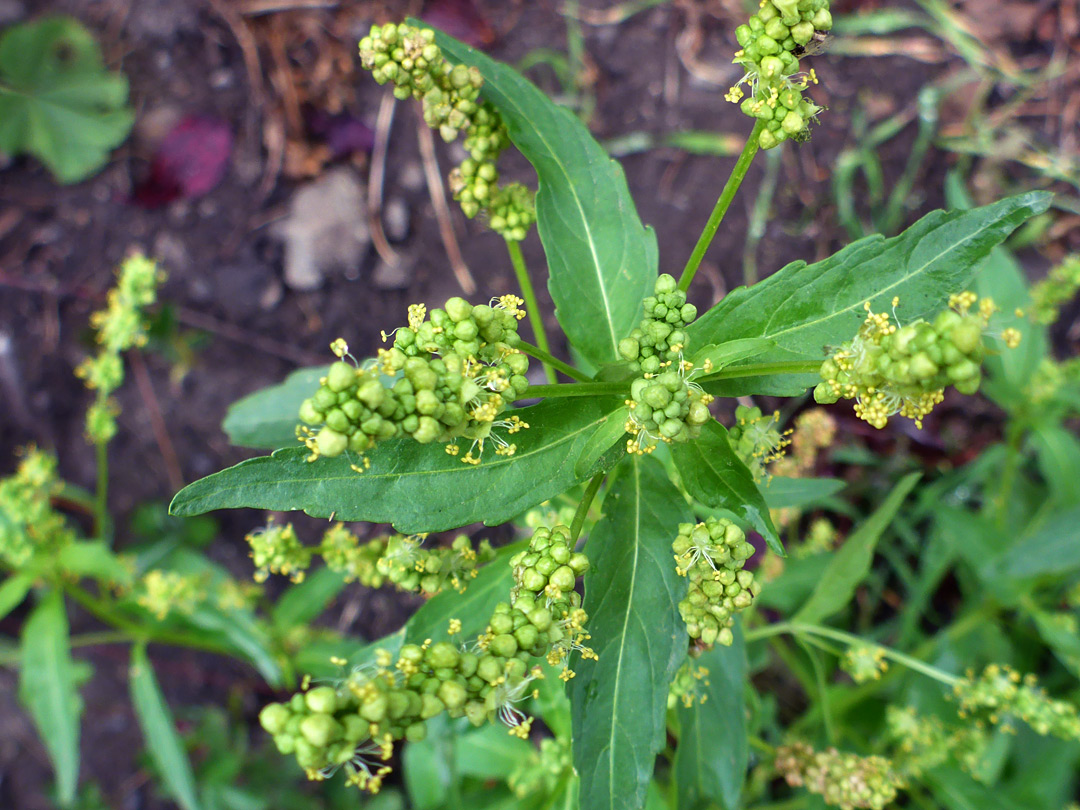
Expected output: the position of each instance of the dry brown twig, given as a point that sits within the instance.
(442, 210)
(157, 421)
(376, 177)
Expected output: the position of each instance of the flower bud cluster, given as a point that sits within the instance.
(687, 687)
(28, 523)
(1001, 692)
(864, 662)
(399, 559)
(403, 561)
(889, 369)
(757, 440)
(1056, 290)
(923, 742)
(120, 326)
(711, 555)
(163, 592)
(665, 406)
(543, 772)
(772, 42)
(459, 372)
(842, 779)
(409, 58)
(355, 723)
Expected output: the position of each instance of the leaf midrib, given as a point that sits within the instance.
(884, 290)
(510, 102)
(496, 462)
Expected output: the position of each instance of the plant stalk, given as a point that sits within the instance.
(722, 205)
(549, 359)
(536, 319)
(583, 507)
(763, 370)
(582, 389)
(101, 494)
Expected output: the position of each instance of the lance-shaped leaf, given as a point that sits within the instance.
(602, 261)
(850, 564)
(47, 689)
(711, 759)
(159, 731)
(631, 595)
(716, 477)
(804, 309)
(267, 419)
(417, 487)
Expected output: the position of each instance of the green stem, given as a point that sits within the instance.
(101, 495)
(722, 205)
(531, 306)
(763, 370)
(584, 389)
(137, 632)
(583, 507)
(551, 360)
(1015, 435)
(797, 629)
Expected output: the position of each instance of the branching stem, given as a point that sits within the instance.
(549, 359)
(722, 205)
(583, 507)
(531, 306)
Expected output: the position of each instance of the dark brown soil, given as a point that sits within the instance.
(59, 246)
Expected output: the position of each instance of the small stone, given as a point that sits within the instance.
(152, 127)
(397, 276)
(396, 219)
(11, 11)
(412, 177)
(171, 251)
(326, 228)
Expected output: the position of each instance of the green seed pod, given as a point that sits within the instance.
(274, 717)
(340, 376)
(322, 700)
(321, 729)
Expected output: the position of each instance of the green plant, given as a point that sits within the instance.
(58, 102)
(642, 677)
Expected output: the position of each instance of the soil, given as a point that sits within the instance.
(60, 245)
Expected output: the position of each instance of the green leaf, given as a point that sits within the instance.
(721, 355)
(716, 477)
(94, 559)
(417, 487)
(1057, 452)
(267, 419)
(805, 308)
(159, 731)
(427, 769)
(13, 591)
(602, 261)
(57, 100)
(787, 493)
(1051, 550)
(851, 562)
(603, 439)
(631, 593)
(1001, 277)
(956, 790)
(489, 752)
(47, 689)
(305, 601)
(713, 752)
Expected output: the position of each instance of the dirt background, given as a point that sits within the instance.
(267, 77)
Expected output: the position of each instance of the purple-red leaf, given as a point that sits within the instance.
(189, 163)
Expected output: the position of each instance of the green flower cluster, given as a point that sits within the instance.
(399, 559)
(409, 58)
(842, 779)
(543, 772)
(711, 555)
(1001, 692)
(890, 369)
(864, 662)
(350, 724)
(28, 523)
(120, 326)
(403, 561)
(757, 440)
(665, 406)
(772, 42)
(459, 372)
(1056, 290)
(924, 742)
(686, 686)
